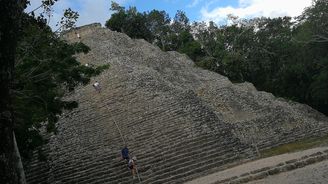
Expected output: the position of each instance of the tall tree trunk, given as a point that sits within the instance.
(10, 15)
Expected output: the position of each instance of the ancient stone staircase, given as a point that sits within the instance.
(180, 121)
(88, 151)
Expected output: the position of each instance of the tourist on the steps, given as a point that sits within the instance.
(132, 166)
(125, 153)
(97, 87)
(78, 36)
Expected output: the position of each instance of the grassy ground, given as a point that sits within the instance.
(296, 146)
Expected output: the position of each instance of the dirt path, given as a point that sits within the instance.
(256, 165)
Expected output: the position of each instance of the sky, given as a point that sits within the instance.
(92, 11)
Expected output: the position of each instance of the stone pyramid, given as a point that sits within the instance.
(181, 121)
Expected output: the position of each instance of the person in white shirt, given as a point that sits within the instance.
(132, 166)
(97, 87)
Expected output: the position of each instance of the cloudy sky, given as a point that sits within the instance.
(197, 10)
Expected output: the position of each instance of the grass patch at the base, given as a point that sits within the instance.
(295, 146)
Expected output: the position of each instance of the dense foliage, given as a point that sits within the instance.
(10, 13)
(286, 56)
(37, 69)
(45, 70)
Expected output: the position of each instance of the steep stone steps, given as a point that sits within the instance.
(192, 169)
(186, 163)
(35, 176)
(88, 165)
(81, 168)
(184, 157)
(89, 174)
(177, 119)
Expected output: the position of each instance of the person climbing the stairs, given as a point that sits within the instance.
(97, 87)
(78, 35)
(125, 153)
(132, 166)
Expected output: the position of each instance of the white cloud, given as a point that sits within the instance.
(255, 8)
(90, 11)
(194, 3)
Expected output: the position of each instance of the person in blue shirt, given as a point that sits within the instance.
(125, 153)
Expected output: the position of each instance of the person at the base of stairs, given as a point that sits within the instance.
(97, 87)
(132, 166)
(125, 153)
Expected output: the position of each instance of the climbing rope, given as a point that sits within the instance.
(117, 127)
(138, 174)
(124, 141)
(119, 130)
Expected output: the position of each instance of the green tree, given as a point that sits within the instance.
(180, 31)
(118, 18)
(68, 20)
(207, 36)
(130, 22)
(45, 70)
(10, 18)
(136, 25)
(180, 22)
(312, 38)
(155, 28)
(158, 23)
